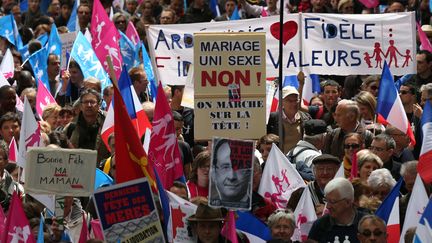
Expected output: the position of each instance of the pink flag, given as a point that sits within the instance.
(354, 166)
(105, 39)
(13, 151)
(19, 104)
(229, 228)
(17, 228)
(164, 151)
(7, 66)
(370, 3)
(425, 43)
(84, 230)
(132, 34)
(43, 98)
(97, 229)
(2, 222)
(264, 12)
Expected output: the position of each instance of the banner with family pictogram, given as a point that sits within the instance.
(316, 43)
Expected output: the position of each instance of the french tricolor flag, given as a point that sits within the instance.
(389, 105)
(425, 160)
(134, 108)
(389, 212)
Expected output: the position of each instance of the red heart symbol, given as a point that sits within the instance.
(289, 30)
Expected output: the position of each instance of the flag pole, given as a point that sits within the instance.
(111, 71)
(280, 109)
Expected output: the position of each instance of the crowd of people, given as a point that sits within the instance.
(337, 127)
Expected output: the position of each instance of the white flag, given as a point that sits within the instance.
(305, 216)
(340, 173)
(7, 65)
(30, 135)
(180, 210)
(416, 205)
(279, 179)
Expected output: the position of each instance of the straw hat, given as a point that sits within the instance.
(206, 213)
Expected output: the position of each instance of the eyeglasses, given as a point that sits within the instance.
(404, 92)
(368, 233)
(378, 149)
(320, 169)
(89, 102)
(332, 202)
(352, 146)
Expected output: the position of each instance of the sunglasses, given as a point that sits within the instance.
(374, 87)
(352, 146)
(404, 92)
(368, 233)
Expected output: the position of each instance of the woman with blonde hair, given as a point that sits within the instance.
(50, 115)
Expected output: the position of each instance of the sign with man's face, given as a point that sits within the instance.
(231, 173)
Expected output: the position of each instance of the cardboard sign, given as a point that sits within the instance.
(230, 85)
(231, 173)
(63, 172)
(128, 213)
(67, 40)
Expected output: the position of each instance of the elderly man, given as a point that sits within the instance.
(383, 145)
(292, 119)
(325, 167)
(372, 228)
(340, 224)
(347, 117)
(426, 93)
(401, 152)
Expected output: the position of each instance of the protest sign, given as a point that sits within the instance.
(67, 41)
(229, 85)
(128, 213)
(64, 172)
(231, 173)
(321, 43)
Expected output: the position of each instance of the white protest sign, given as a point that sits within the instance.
(318, 43)
(64, 172)
(229, 85)
(67, 40)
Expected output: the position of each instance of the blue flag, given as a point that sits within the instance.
(149, 72)
(235, 15)
(102, 179)
(72, 22)
(23, 5)
(7, 28)
(54, 42)
(250, 224)
(386, 206)
(38, 62)
(43, 39)
(40, 236)
(316, 87)
(214, 7)
(423, 232)
(127, 50)
(164, 201)
(83, 54)
(125, 84)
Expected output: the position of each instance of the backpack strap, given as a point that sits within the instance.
(292, 157)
